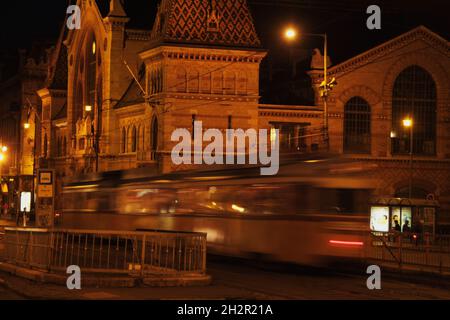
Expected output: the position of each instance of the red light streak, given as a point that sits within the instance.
(347, 243)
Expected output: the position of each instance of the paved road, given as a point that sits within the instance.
(240, 281)
(311, 284)
(6, 294)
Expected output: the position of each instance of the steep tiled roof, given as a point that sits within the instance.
(205, 22)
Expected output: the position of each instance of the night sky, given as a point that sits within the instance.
(25, 22)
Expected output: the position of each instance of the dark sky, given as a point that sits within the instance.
(25, 21)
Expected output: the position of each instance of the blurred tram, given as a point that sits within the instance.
(311, 211)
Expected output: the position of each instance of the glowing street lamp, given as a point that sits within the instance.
(88, 108)
(407, 123)
(4, 149)
(290, 33)
(26, 125)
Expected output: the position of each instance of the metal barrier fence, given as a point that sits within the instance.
(411, 249)
(107, 251)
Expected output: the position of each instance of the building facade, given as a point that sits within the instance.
(115, 94)
(17, 93)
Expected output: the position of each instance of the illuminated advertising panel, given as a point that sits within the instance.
(379, 219)
(25, 201)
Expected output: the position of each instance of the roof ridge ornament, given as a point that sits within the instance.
(116, 9)
(213, 17)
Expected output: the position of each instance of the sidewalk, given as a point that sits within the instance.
(6, 223)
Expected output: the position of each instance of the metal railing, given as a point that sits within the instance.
(402, 249)
(107, 251)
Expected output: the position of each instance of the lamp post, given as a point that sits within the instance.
(3, 150)
(94, 132)
(291, 35)
(408, 123)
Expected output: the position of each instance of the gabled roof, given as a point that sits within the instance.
(61, 114)
(206, 23)
(58, 68)
(396, 43)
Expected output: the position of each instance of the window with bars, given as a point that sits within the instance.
(414, 96)
(357, 126)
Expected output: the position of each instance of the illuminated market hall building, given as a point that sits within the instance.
(116, 91)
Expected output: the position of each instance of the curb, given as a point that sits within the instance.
(101, 281)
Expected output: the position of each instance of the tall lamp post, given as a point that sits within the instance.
(94, 134)
(408, 123)
(326, 86)
(2, 159)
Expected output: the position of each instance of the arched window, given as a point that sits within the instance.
(79, 109)
(45, 145)
(205, 83)
(91, 72)
(134, 139)
(154, 138)
(124, 141)
(181, 79)
(242, 83)
(141, 138)
(357, 126)
(414, 96)
(64, 146)
(229, 82)
(59, 147)
(217, 82)
(194, 81)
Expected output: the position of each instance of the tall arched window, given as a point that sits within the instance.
(414, 96)
(124, 141)
(181, 79)
(154, 138)
(91, 72)
(65, 146)
(134, 139)
(357, 126)
(45, 146)
(59, 147)
(194, 80)
(229, 84)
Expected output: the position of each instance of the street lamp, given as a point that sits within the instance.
(88, 109)
(2, 158)
(408, 123)
(291, 34)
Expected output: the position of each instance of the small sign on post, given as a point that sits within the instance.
(45, 206)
